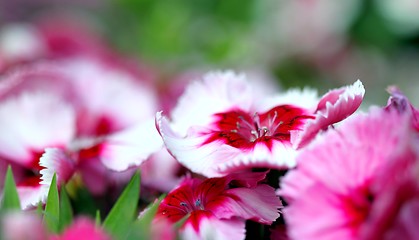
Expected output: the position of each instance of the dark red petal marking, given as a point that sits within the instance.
(89, 153)
(242, 130)
(103, 126)
(36, 156)
(95, 126)
(194, 196)
(33, 181)
(210, 189)
(179, 202)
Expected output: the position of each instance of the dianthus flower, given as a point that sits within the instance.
(216, 208)
(223, 123)
(358, 181)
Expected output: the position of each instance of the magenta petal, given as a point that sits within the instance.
(374, 137)
(247, 179)
(395, 190)
(328, 210)
(405, 226)
(258, 204)
(333, 107)
(352, 178)
(83, 228)
(401, 103)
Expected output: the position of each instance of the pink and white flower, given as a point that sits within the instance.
(224, 123)
(17, 225)
(218, 207)
(358, 181)
(161, 172)
(29, 123)
(78, 114)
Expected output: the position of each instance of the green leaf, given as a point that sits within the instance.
(140, 229)
(40, 209)
(98, 219)
(52, 208)
(150, 212)
(66, 212)
(122, 214)
(181, 221)
(10, 197)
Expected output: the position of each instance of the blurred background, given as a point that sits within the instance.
(317, 43)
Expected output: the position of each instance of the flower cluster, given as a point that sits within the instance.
(234, 157)
(359, 181)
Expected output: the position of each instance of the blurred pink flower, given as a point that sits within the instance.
(218, 207)
(62, 37)
(224, 123)
(27, 128)
(22, 226)
(78, 114)
(357, 181)
(161, 171)
(82, 228)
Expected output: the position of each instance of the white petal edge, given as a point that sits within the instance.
(131, 146)
(55, 160)
(216, 92)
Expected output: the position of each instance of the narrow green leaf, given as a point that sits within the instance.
(140, 229)
(40, 209)
(98, 218)
(66, 212)
(181, 221)
(122, 214)
(150, 212)
(52, 208)
(10, 197)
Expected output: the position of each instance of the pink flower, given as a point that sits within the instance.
(223, 123)
(47, 110)
(61, 37)
(29, 123)
(82, 228)
(355, 182)
(22, 226)
(161, 172)
(218, 207)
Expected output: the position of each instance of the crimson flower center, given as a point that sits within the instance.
(188, 207)
(240, 129)
(256, 129)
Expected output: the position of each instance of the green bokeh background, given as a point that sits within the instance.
(184, 35)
